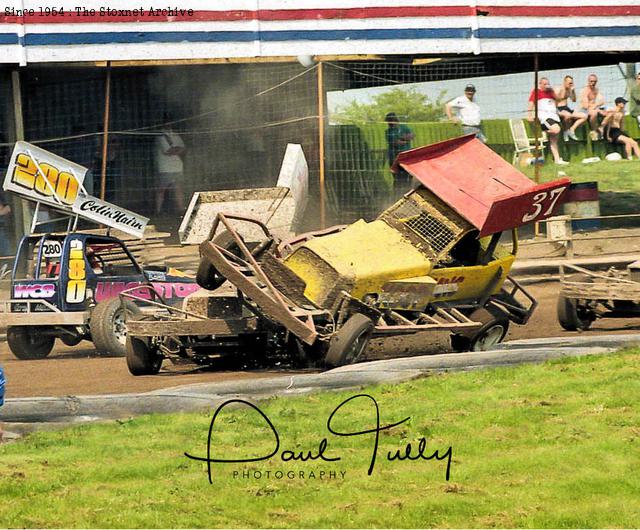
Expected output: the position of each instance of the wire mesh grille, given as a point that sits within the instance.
(235, 121)
(425, 225)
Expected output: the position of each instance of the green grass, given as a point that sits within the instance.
(618, 176)
(554, 445)
(618, 185)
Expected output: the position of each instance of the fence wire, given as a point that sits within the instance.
(235, 121)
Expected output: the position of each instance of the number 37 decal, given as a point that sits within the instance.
(545, 200)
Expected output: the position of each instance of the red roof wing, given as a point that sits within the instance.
(480, 185)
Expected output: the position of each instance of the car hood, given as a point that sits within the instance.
(480, 185)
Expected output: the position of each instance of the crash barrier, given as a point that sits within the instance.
(583, 205)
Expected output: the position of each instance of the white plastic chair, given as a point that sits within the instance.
(521, 141)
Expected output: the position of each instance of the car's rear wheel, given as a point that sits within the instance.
(28, 343)
(350, 341)
(208, 276)
(108, 325)
(142, 359)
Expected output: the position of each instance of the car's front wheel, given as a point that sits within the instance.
(350, 341)
(142, 359)
(495, 325)
(108, 325)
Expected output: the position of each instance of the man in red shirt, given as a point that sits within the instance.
(547, 115)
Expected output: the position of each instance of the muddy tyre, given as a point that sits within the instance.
(208, 276)
(141, 358)
(490, 335)
(28, 343)
(571, 316)
(495, 325)
(349, 341)
(108, 327)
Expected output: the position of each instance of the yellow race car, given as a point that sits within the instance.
(438, 259)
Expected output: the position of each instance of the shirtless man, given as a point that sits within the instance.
(592, 106)
(563, 94)
(616, 134)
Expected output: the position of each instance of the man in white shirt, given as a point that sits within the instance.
(169, 152)
(467, 113)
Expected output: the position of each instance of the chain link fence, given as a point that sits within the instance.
(235, 121)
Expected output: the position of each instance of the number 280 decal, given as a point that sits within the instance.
(51, 180)
(542, 200)
(77, 286)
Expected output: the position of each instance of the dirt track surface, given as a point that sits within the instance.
(80, 371)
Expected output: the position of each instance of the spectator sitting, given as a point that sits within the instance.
(565, 93)
(592, 107)
(547, 115)
(615, 134)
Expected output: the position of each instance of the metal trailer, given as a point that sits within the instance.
(586, 296)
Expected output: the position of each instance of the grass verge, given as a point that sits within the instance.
(552, 446)
(611, 176)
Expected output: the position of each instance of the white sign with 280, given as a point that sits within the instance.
(43, 177)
